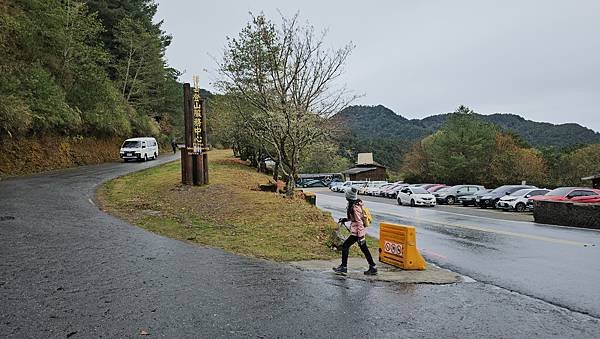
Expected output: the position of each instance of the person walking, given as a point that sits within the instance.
(174, 146)
(354, 214)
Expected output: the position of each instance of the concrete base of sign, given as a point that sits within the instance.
(387, 273)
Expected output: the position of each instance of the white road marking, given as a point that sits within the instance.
(482, 229)
(491, 230)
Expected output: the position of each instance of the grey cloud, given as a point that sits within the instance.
(538, 59)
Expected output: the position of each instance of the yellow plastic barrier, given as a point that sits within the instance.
(398, 247)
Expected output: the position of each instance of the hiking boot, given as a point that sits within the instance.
(340, 269)
(371, 271)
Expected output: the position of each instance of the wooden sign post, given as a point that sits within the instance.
(194, 160)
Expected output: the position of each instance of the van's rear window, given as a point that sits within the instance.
(131, 144)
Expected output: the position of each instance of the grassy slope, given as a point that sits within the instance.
(230, 213)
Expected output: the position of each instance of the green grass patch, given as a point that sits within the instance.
(230, 213)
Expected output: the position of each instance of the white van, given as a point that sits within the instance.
(139, 149)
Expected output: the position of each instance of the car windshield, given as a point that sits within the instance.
(419, 190)
(520, 193)
(502, 189)
(561, 191)
(442, 190)
(131, 144)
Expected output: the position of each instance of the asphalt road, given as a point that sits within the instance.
(557, 264)
(70, 270)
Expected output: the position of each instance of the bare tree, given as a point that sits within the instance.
(283, 78)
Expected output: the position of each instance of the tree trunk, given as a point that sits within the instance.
(131, 51)
(137, 71)
(291, 183)
(276, 171)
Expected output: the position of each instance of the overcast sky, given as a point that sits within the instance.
(539, 59)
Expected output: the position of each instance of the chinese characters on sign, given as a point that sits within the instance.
(197, 122)
(194, 157)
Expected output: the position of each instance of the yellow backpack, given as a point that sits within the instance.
(366, 216)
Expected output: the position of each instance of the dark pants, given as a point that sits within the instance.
(174, 148)
(362, 243)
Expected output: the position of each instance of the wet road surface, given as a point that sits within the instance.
(556, 264)
(70, 270)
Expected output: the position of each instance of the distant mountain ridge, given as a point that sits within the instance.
(380, 122)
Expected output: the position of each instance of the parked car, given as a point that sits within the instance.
(376, 192)
(325, 177)
(336, 188)
(342, 188)
(450, 195)
(370, 185)
(139, 149)
(589, 199)
(470, 200)
(575, 194)
(300, 182)
(490, 199)
(387, 189)
(313, 183)
(370, 190)
(435, 188)
(393, 193)
(518, 200)
(334, 184)
(415, 196)
(427, 186)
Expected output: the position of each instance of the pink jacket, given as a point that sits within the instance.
(356, 226)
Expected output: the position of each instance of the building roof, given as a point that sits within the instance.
(371, 165)
(356, 170)
(593, 177)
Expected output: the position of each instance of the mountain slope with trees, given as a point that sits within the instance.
(82, 73)
(379, 122)
(85, 68)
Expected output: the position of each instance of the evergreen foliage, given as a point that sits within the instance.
(469, 150)
(460, 150)
(91, 68)
(408, 145)
(376, 122)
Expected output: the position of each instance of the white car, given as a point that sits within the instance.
(333, 186)
(378, 192)
(518, 200)
(370, 185)
(347, 184)
(374, 188)
(340, 187)
(415, 196)
(139, 149)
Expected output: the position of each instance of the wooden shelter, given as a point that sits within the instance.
(366, 169)
(595, 180)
